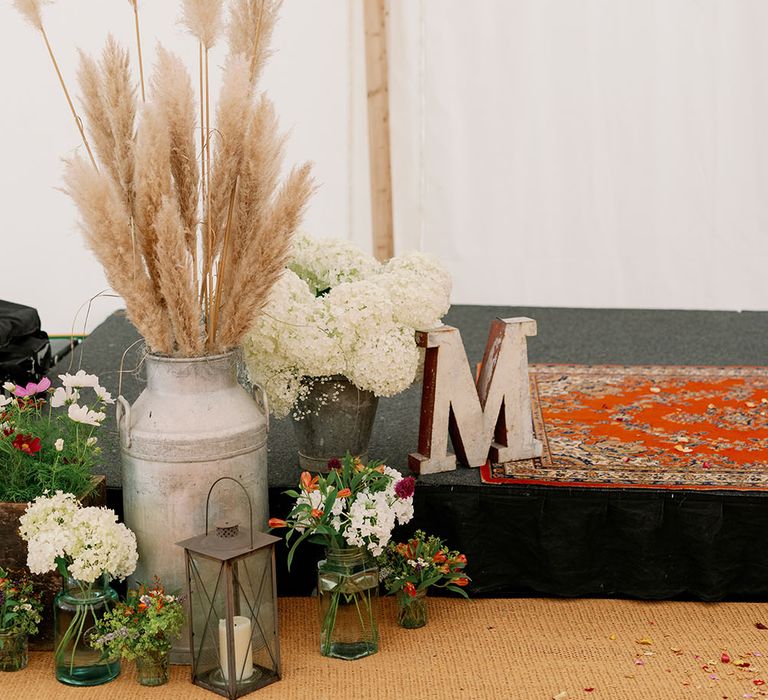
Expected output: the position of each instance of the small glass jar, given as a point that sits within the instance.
(13, 651)
(412, 609)
(152, 669)
(348, 586)
(76, 610)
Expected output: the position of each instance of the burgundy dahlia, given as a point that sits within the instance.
(405, 487)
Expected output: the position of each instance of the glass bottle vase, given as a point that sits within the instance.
(412, 609)
(76, 610)
(152, 669)
(13, 651)
(348, 587)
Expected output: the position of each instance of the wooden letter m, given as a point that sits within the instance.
(490, 417)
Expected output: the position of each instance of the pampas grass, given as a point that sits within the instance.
(166, 219)
(250, 31)
(32, 11)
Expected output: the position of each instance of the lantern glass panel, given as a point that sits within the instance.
(239, 592)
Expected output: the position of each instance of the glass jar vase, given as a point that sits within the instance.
(412, 609)
(348, 587)
(13, 651)
(76, 609)
(152, 669)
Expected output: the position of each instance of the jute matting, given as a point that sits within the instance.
(527, 649)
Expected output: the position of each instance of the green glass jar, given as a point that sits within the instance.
(412, 609)
(348, 587)
(76, 609)
(152, 669)
(14, 654)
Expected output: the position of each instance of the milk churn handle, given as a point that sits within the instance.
(123, 416)
(250, 507)
(262, 399)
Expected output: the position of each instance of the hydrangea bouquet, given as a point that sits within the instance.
(47, 438)
(337, 311)
(86, 545)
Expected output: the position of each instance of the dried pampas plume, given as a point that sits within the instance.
(250, 30)
(32, 11)
(203, 19)
(193, 238)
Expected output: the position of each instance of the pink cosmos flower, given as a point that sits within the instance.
(31, 389)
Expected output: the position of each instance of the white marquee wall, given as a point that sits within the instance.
(551, 152)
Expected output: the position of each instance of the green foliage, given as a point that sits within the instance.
(30, 429)
(422, 562)
(20, 606)
(143, 624)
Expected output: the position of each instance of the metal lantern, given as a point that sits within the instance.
(232, 605)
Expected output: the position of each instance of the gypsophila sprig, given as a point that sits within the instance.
(421, 562)
(337, 311)
(142, 625)
(84, 543)
(20, 606)
(47, 436)
(354, 505)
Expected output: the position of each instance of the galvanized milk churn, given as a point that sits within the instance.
(192, 424)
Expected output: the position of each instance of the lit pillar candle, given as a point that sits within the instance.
(243, 653)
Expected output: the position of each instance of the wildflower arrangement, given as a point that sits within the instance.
(47, 436)
(409, 569)
(423, 561)
(354, 505)
(338, 311)
(84, 543)
(174, 175)
(141, 626)
(20, 606)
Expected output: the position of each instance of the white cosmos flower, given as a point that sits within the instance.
(59, 445)
(90, 442)
(103, 394)
(9, 386)
(64, 395)
(5, 400)
(79, 379)
(82, 414)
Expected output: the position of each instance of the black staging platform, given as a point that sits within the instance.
(541, 540)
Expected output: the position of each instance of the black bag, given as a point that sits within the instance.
(25, 351)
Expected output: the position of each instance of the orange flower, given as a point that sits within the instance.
(461, 581)
(462, 558)
(309, 482)
(142, 607)
(410, 589)
(402, 550)
(317, 513)
(439, 558)
(344, 493)
(277, 522)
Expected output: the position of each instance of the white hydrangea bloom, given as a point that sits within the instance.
(326, 263)
(420, 289)
(90, 540)
(337, 311)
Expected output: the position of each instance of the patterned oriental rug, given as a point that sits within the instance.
(656, 427)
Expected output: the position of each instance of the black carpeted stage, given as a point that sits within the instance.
(542, 540)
